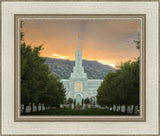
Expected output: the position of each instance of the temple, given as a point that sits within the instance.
(78, 86)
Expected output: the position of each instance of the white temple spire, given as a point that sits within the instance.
(78, 58)
(78, 70)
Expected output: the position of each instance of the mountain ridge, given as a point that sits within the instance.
(63, 68)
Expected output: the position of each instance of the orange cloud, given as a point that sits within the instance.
(108, 41)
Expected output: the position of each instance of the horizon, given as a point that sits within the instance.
(108, 41)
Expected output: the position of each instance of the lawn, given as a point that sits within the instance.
(76, 112)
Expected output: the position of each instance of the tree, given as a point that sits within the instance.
(70, 101)
(32, 73)
(25, 96)
(54, 93)
(38, 85)
(74, 101)
(106, 91)
(86, 101)
(120, 87)
(135, 82)
(124, 84)
(129, 74)
(60, 95)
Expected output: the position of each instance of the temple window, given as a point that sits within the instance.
(78, 87)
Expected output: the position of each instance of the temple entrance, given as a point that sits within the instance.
(93, 100)
(78, 99)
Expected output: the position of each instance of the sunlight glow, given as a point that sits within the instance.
(106, 63)
(56, 55)
(62, 57)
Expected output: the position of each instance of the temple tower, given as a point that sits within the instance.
(78, 70)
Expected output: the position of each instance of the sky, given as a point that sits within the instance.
(109, 41)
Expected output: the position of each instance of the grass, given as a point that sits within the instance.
(76, 112)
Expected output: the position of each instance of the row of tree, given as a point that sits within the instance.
(38, 84)
(86, 101)
(121, 87)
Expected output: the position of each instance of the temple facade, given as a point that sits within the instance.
(78, 86)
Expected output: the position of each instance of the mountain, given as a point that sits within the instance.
(63, 68)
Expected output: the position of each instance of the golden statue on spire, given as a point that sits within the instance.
(78, 35)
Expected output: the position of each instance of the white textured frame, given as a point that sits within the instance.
(152, 117)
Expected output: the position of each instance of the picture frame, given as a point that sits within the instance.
(14, 124)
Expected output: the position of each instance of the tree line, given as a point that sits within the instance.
(121, 87)
(84, 101)
(38, 84)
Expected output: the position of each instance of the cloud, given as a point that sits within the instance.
(110, 40)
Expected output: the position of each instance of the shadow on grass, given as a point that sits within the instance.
(77, 112)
